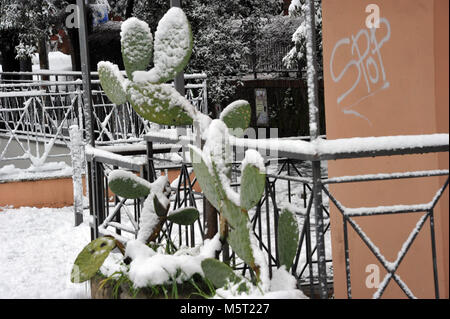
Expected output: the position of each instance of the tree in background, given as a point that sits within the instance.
(225, 33)
(31, 23)
(296, 58)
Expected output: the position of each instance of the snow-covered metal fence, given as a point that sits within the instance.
(37, 109)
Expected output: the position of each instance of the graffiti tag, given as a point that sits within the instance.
(365, 48)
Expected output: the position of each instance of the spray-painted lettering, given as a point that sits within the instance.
(365, 48)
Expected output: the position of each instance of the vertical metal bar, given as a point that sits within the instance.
(347, 259)
(433, 251)
(85, 69)
(151, 169)
(309, 254)
(314, 129)
(269, 242)
(179, 79)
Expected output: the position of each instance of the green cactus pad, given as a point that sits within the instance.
(252, 186)
(204, 177)
(173, 45)
(128, 185)
(137, 45)
(239, 240)
(237, 117)
(288, 237)
(160, 209)
(160, 104)
(91, 258)
(112, 82)
(218, 272)
(229, 209)
(186, 216)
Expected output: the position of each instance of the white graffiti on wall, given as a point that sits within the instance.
(366, 60)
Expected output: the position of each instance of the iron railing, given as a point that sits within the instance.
(35, 114)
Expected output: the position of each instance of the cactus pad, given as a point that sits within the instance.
(112, 82)
(218, 272)
(159, 103)
(91, 258)
(126, 184)
(237, 117)
(252, 186)
(185, 216)
(288, 237)
(204, 177)
(137, 45)
(172, 50)
(160, 209)
(239, 240)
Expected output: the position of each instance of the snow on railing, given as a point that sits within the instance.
(35, 114)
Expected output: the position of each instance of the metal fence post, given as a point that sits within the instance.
(179, 79)
(77, 155)
(85, 69)
(314, 129)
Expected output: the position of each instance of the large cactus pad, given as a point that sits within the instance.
(91, 258)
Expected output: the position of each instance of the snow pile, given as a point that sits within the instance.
(149, 219)
(58, 61)
(38, 248)
(45, 171)
(150, 268)
(252, 157)
(281, 286)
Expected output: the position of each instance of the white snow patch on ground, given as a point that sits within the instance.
(38, 248)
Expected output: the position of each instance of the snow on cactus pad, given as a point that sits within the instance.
(137, 45)
(112, 81)
(160, 103)
(204, 177)
(237, 117)
(253, 179)
(172, 48)
(127, 185)
(91, 258)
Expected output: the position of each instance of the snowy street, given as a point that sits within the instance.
(38, 247)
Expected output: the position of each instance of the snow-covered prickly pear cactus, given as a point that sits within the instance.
(212, 169)
(161, 103)
(156, 206)
(145, 90)
(153, 216)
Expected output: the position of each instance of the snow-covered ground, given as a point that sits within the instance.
(38, 248)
